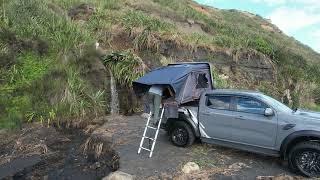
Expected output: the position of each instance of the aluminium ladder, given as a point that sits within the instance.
(150, 139)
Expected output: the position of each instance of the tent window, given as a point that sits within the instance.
(202, 81)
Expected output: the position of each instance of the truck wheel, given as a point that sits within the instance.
(305, 157)
(181, 134)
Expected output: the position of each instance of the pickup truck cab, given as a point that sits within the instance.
(251, 121)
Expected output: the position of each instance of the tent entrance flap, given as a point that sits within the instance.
(196, 83)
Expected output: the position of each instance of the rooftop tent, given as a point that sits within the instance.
(186, 80)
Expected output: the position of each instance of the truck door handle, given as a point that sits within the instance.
(240, 118)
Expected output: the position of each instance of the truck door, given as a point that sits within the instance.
(215, 116)
(250, 125)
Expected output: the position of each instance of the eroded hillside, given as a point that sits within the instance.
(57, 55)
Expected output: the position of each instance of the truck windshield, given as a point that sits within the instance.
(276, 104)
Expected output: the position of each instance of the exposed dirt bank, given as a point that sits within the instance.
(38, 152)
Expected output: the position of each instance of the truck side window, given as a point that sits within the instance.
(219, 102)
(250, 105)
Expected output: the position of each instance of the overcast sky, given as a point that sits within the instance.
(297, 18)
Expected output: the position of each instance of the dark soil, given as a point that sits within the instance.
(81, 12)
(47, 153)
(215, 162)
(18, 45)
(50, 154)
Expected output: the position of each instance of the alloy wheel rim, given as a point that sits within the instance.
(180, 136)
(309, 163)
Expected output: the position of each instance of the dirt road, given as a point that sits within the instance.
(215, 162)
(61, 155)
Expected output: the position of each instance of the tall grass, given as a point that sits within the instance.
(33, 19)
(44, 87)
(233, 29)
(125, 67)
(79, 99)
(30, 67)
(133, 19)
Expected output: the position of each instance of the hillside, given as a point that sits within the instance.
(53, 71)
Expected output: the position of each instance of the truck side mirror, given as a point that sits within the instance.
(268, 112)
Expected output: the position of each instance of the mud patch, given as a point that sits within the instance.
(48, 153)
(18, 45)
(97, 150)
(115, 129)
(81, 12)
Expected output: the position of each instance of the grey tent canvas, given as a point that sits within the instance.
(186, 80)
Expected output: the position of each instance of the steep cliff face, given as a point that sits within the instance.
(242, 68)
(245, 62)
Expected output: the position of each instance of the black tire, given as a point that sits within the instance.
(181, 134)
(305, 158)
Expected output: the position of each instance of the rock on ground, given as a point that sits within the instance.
(190, 167)
(118, 175)
(145, 115)
(238, 166)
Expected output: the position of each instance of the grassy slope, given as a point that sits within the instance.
(32, 80)
(47, 86)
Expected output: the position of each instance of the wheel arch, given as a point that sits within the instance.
(297, 137)
(182, 117)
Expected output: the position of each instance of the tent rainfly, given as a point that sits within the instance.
(186, 80)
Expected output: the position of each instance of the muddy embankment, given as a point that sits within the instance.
(38, 152)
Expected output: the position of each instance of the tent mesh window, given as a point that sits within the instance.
(202, 81)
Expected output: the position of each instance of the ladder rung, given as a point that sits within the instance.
(145, 149)
(151, 127)
(153, 139)
(148, 138)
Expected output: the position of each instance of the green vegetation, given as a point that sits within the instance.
(46, 52)
(219, 81)
(34, 19)
(40, 81)
(202, 157)
(125, 67)
(134, 19)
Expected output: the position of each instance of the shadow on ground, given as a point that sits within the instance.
(215, 162)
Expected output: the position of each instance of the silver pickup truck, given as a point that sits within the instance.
(254, 122)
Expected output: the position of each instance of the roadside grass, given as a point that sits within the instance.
(312, 107)
(316, 108)
(219, 81)
(200, 156)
